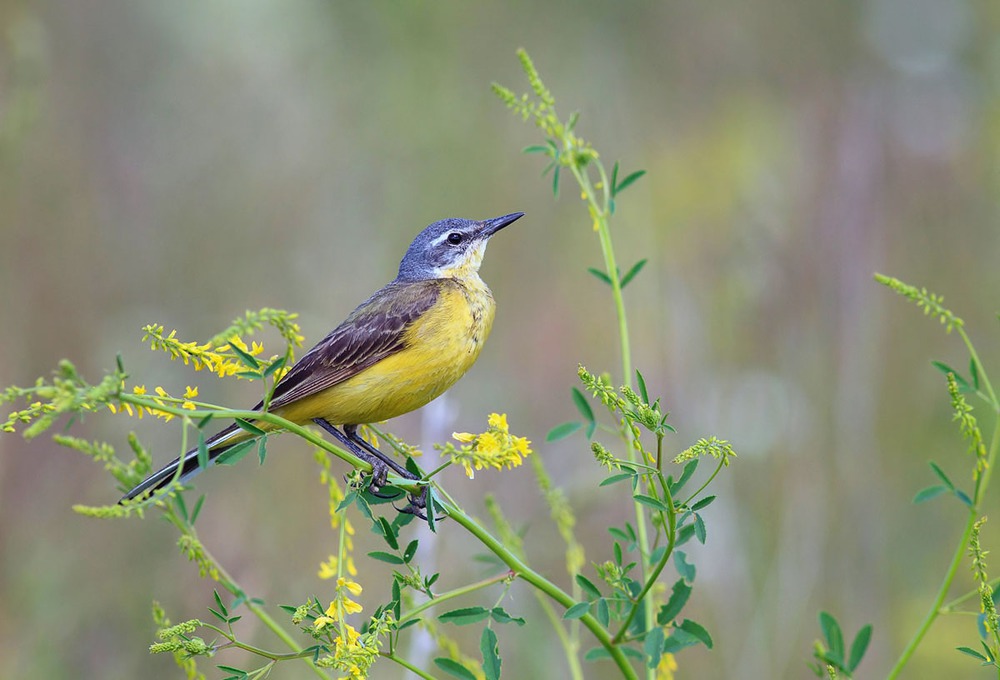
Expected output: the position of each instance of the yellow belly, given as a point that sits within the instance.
(440, 347)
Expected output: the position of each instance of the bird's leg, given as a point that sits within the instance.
(380, 468)
(415, 503)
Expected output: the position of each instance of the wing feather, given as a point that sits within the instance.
(372, 332)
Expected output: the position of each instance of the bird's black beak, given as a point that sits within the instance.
(490, 227)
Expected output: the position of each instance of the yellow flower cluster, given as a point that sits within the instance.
(223, 360)
(162, 398)
(496, 447)
(353, 652)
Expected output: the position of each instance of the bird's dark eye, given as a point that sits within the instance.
(454, 238)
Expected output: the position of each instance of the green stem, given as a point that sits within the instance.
(600, 213)
(982, 373)
(457, 592)
(937, 607)
(541, 583)
(671, 522)
(408, 666)
(708, 481)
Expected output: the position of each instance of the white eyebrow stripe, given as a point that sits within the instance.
(440, 239)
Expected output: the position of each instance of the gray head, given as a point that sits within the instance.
(450, 248)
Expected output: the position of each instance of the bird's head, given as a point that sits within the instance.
(451, 248)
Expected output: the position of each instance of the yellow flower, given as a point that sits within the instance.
(667, 666)
(353, 587)
(139, 389)
(350, 606)
(328, 569)
(498, 420)
(323, 621)
(495, 448)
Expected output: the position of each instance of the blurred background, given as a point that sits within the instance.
(181, 162)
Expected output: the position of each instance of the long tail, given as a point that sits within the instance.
(188, 463)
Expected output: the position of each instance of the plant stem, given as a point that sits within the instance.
(408, 666)
(935, 609)
(938, 607)
(671, 522)
(457, 592)
(541, 583)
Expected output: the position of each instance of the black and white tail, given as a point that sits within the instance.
(188, 463)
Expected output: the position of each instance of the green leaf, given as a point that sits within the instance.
(234, 455)
(464, 616)
(573, 118)
(961, 495)
(582, 405)
(629, 275)
(387, 532)
(974, 372)
(562, 431)
(601, 276)
(261, 449)
(654, 503)
(245, 358)
(703, 503)
(555, 182)
(698, 631)
(589, 589)
(275, 365)
(614, 178)
(411, 550)
(219, 604)
(678, 598)
(602, 612)
(832, 633)
(237, 674)
(963, 384)
(638, 376)
(577, 611)
(453, 668)
(653, 647)
(197, 508)
(491, 654)
(688, 470)
(202, 451)
(685, 569)
(537, 148)
(627, 182)
(249, 427)
(614, 479)
(942, 476)
(973, 653)
(500, 616)
(388, 558)
(204, 421)
(684, 534)
(678, 640)
(859, 647)
(929, 493)
(699, 529)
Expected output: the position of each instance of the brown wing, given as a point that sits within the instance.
(372, 332)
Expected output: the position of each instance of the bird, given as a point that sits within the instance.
(398, 350)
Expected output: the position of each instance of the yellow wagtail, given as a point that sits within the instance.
(397, 351)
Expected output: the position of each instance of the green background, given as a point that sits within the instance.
(180, 162)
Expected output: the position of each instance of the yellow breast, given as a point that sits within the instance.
(440, 347)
